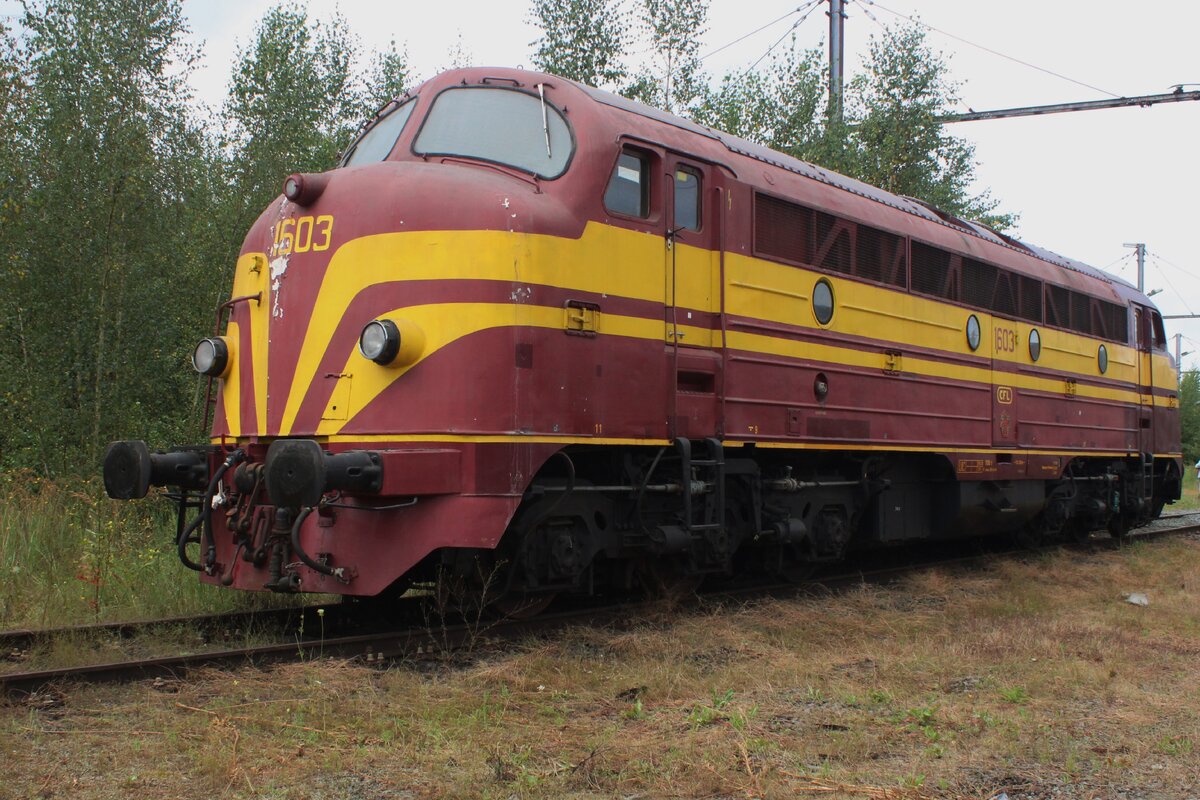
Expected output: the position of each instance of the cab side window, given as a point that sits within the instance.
(629, 187)
(1160, 333)
(687, 199)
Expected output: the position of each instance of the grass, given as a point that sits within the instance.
(72, 556)
(1032, 677)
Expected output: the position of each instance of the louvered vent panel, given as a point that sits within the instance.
(1058, 306)
(1116, 321)
(1081, 313)
(833, 251)
(879, 256)
(782, 230)
(979, 283)
(1030, 290)
(1004, 300)
(931, 271)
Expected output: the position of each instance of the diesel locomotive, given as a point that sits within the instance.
(537, 336)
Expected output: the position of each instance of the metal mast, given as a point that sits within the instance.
(837, 46)
(1141, 259)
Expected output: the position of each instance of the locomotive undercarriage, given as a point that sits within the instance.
(599, 519)
(595, 518)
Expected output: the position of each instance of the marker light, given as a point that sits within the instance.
(211, 357)
(303, 188)
(380, 341)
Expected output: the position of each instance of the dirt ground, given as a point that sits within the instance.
(1033, 677)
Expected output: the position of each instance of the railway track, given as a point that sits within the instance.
(266, 619)
(434, 635)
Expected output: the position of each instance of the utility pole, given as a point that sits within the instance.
(1141, 259)
(1179, 355)
(837, 47)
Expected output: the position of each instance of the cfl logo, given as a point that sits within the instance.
(1004, 395)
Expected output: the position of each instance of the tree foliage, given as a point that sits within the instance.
(294, 101)
(583, 40)
(889, 135)
(105, 140)
(896, 141)
(1189, 415)
(781, 107)
(121, 215)
(389, 77)
(673, 78)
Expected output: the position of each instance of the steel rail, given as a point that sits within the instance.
(23, 638)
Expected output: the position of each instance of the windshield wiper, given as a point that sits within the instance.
(545, 119)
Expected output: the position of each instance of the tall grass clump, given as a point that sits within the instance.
(69, 555)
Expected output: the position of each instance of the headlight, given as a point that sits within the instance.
(211, 357)
(380, 341)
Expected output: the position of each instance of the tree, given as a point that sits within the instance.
(293, 104)
(896, 141)
(582, 40)
(389, 77)
(460, 56)
(889, 137)
(780, 107)
(674, 80)
(13, 181)
(1189, 415)
(98, 321)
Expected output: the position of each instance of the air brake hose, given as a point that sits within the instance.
(305, 558)
(182, 542)
(206, 538)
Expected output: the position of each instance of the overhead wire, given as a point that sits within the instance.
(746, 36)
(926, 25)
(869, 15)
(812, 7)
(1162, 274)
(1125, 257)
(1189, 273)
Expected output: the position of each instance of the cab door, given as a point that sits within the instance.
(693, 323)
(1145, 379)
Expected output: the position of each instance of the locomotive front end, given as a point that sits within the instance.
(366, 353)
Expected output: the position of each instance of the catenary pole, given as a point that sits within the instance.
(1140, 247)
(837, 47)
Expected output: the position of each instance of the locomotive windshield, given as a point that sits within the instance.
(378, 141)
(504, 126)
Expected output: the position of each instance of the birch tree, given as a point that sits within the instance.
(583, 40)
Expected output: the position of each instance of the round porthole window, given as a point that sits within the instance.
(973, 332)
(1035, 344)
(823, 301)
(1102, 359)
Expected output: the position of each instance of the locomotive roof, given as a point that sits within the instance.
(908, 205)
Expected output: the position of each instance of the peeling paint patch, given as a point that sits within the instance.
(279, 266)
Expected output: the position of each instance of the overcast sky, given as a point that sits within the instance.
(1083, 183)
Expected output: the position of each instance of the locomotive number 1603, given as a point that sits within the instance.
(302, 234)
